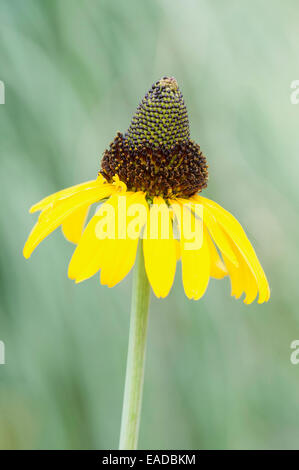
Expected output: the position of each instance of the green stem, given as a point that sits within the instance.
(136, 356)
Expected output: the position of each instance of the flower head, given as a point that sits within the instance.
(151, 178)
(156, 154)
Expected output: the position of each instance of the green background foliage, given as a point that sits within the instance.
(218, 372)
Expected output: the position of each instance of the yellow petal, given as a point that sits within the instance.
(51, 218)
(246, 279)
(251, 288)
(242, 279)
(92, 251)
(159, 248)
(236, 234)
(219, 236)
(64, 193)
(72, 226)
(195, 263)
(119, 253)
(218, 269)
(85, 261)
(237, 279)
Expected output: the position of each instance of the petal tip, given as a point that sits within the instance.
(26, 252)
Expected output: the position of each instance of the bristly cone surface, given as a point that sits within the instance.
(156, 154)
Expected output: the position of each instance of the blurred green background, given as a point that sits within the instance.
(218, 372)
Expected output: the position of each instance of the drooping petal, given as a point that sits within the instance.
(218, 236)
(217, 269)
(238, 238)
(242, 278)
(159, 248)
(119, 252)
(237, 280)
(195, 262)
(96, 251)
(250, 286)
(67, 192)
(85, 261)
(72, 226)
(52, 217)
(216, 232)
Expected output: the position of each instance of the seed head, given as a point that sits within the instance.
(156, 154)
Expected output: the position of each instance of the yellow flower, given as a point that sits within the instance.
(153, 169)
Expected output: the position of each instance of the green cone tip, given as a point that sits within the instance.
(161, 119)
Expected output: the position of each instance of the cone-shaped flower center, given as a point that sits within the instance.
(156, 154)
(161, 118)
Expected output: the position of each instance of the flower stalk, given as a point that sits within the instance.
(136, 356)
